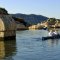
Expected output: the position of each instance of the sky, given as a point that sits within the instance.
(48, 8)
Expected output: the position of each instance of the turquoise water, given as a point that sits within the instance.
(29, 46)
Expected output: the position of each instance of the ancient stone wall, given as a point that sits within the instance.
(7, 26)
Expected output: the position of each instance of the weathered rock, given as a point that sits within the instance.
(7, 26)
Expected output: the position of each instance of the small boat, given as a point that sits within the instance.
(51, 37)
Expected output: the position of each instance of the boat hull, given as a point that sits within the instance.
(51, 37)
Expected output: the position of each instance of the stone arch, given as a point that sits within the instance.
(7, 26)
(2, 26)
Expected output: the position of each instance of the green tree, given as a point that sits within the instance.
(51, 20)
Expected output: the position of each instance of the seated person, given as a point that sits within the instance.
(53, 33)
(50, 33)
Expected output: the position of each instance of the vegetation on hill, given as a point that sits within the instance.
(3, 11)
(21, 21)
(31, 19)
(53, 21)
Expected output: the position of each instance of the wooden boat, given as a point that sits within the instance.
(51, 37)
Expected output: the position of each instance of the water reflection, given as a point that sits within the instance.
(52, 42)
(31, 47)
(7, 48)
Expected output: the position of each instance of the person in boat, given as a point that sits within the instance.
(53, 33)
(50, 33)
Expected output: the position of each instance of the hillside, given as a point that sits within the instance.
(31, 19)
